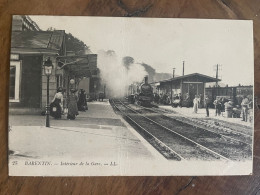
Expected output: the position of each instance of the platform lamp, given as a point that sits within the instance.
(48, 66)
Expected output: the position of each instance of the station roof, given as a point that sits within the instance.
(37, 41)
(205, 78)
(51, 42)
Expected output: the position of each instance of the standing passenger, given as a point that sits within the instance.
(245, 105)
(180, 98)
(200, 103)
(188, 100)
(82, 103)
(217, 104)
(72, 105)
(196, 102)
(207, 102)
(57, 104)
(229, 108)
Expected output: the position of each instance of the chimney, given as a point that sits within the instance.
(146, 79)
(173, 73)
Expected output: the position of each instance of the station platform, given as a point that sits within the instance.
(98, 133)
(202, 114)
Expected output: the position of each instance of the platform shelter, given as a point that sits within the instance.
(191, 84)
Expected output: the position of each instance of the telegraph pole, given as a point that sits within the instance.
(182, 79)
(218, 69)
(173, 74)
(217, 79)
(183, 68)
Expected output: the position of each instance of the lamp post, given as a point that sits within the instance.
(48, 66)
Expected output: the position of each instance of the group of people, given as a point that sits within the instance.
(165, 98)
(228, 107)
(162, 98)
(177, 100)
(73, 105)
(223, 106)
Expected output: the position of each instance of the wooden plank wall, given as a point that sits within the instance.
(223, 9)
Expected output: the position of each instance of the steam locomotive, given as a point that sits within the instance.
(142, 94)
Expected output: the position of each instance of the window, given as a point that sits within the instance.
(14, 90)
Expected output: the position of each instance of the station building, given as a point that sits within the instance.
(24, 23)
(30, 48)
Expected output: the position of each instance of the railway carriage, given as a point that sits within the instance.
(234, 93)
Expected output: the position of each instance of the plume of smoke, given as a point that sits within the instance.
(116, 75)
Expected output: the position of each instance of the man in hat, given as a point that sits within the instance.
(229, 108)
(207, 102)
(245, 105)
(217, 104)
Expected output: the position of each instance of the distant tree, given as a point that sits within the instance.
(162, 76)
(150, 70)
(110, 52)
(127, 61)
(76, 45)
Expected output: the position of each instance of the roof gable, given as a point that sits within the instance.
(204, 77)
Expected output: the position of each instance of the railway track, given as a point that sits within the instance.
(234, 135)
(227, 145)
(175, 144)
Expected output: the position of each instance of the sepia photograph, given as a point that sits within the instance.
(120, 96)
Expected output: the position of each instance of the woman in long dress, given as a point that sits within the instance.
(82, 103)
(57, 104)
(196, 102)
(72, 105)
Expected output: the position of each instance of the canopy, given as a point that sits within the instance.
(79, 66)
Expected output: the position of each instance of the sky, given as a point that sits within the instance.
(164, 43)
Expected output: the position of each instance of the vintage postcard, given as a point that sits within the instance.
(112, 96)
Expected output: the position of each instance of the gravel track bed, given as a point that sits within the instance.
(235, 127)
(217, 129)
(246, 138)
(185, 148)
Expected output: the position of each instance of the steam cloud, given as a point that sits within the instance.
(116, 75)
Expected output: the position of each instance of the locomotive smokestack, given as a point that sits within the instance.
(146, 79)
